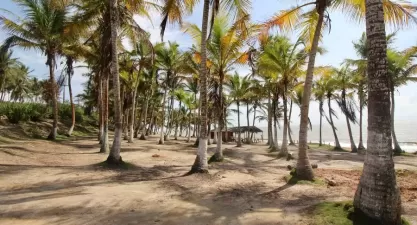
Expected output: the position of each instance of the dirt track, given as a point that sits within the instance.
(45, 182)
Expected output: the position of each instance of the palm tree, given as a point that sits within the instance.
(45, 27)
(401, 69)
(345, 100)
(172, 12)
(224, 51)
(379, 199)
(310, 24)
(238, 90)
(284, 61)
(319, 93)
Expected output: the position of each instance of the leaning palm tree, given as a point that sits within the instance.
(345, 100)
(378, 196)
(310, 19)
(45, 27)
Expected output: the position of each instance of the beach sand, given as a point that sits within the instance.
(44, 182)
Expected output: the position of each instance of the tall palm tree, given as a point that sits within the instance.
(284, 62)
(310, 24)
(401, 69)
(238, 88)
(345, 101)
(320, 94)
(45, 27)
(224, 51)
(173, 12)
(378, 196)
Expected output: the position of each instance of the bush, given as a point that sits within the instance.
(65, 113)
(21, 112)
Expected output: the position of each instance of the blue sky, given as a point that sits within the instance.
(338, 44)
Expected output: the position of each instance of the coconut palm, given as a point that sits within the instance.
(401, 70)
(310, 19)
(173, 12)
(284, 61)
(45, 27)
(239, 89)
(224, 51)
(345, 100)
(380, 199)
(319, 92)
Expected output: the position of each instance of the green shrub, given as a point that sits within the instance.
(22, 112)
(65, 113)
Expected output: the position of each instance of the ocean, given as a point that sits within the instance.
(405, 130)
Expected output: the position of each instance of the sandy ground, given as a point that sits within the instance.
(45, 182)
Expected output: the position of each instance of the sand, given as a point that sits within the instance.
(44, 182)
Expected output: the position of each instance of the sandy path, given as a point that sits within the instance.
(60, 183)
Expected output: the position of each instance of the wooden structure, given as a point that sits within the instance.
(231, 132)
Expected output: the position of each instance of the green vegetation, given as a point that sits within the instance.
(340, 213)
(23, 112)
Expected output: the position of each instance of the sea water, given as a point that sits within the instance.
(405, 131)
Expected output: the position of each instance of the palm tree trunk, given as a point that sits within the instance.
(125, 123)
(177, 121)
(189, 128)
(378, 196)
(132, 116)
(289, 125)
(361, 148)
(253, 121)
(352, 141)
(248, 141)
(70, 72)
(321, 121)
(145, 116)
(100, 109)
(336, 139)
(239, 137)
(284, 150)
(304, 170)
(200, 163)
(161, 136)
(170, 117)
(114, 156)
(149, 130)
(397, 148)
(104, 148)
(270, 141)
(53, 86)
(275, 134)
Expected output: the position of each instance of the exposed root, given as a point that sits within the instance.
(215, 158)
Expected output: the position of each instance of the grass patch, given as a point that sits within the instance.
(340, 213)
(291, 179)
(408, 154)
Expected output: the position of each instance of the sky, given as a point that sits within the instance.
(338, 44)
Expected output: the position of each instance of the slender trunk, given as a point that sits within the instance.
(248, 141)
(176, 123)
(239, 137)
(53, 85)
(352, 142)
(284, 150)
(114, 156)
(161, 136)
(321, 121)
(125, 124)
(132, 116)
(336, 139)
(104, 148)
(270, 142)
(361, 148)
(397, 148)
(145, 116)
(378, 196)
(100, 108)
(200, 164)
(189, 128)
(151, 122)
(170, 117)
(215, 133)
(275, 133)
(208, 133)
(70, 73)
(289, 125)
(253, 121)
(304, 170)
